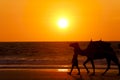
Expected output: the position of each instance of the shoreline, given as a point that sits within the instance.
(30, 66)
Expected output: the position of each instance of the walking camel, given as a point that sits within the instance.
(97, 50)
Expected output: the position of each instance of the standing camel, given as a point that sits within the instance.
(97, 50)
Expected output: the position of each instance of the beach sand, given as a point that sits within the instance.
(54, 74)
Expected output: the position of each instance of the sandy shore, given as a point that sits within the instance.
(54, 74)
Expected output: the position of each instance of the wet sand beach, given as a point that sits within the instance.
(54, 74)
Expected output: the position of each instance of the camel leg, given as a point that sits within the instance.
(108, 66)
(93, 66)
(116, 61)
(85, 64)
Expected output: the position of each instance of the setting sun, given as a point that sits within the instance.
(62, 23)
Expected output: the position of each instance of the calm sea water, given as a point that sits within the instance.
(43, 53)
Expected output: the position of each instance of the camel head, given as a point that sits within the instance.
(74, 45)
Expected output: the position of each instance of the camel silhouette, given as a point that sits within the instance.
(97, 50)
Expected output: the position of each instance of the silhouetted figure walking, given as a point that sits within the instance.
(75, 62)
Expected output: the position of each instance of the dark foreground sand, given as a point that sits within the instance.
(54, 74)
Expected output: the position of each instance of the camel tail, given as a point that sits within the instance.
(115, 59)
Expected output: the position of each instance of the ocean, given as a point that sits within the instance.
(44, 53)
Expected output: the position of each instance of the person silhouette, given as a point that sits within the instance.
(75, 62)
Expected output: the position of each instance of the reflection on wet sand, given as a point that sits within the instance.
(63, 70)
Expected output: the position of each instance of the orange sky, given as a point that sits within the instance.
(35, 20)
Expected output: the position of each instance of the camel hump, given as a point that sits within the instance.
(99, 45)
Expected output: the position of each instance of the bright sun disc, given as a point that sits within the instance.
(62, 23)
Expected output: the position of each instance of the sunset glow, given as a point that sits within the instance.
(71, 20)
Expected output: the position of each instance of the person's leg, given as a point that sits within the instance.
(71, 70)
(78, 69)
